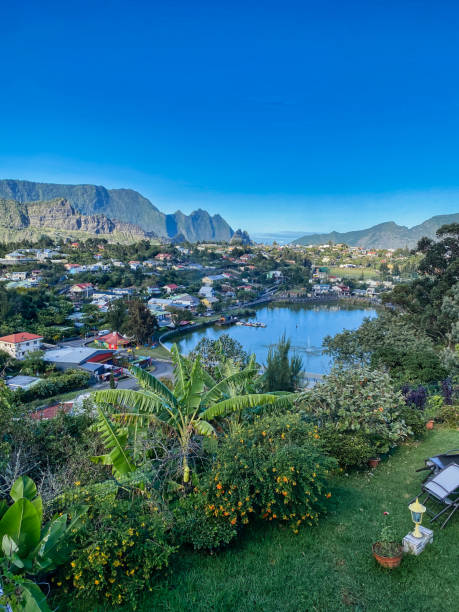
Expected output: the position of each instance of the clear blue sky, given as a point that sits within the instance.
(284, 115)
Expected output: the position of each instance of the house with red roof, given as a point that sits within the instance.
(171, 288)
(113, 340)
(82, 290)
(18, 345)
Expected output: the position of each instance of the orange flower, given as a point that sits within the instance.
(219, 486)
(233, 522)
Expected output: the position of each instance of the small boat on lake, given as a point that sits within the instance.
(227, 320)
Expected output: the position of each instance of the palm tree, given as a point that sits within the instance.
(194, 401)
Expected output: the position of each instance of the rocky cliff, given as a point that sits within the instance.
(31, 219)
(125, 205)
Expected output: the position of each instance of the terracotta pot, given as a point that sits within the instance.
(430, 424)
(374, 462)
(389, 562)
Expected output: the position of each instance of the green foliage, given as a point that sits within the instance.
(68, 381)
(275, 469)
(434, 407)
(282, 371)
(431, 301)
(450, 415)
(116, 314)
(28, 548)
(194, 524)
(415, 420)
(359, 400)
(213, 352)
(350, 449)
(389, 342)
(114, 439)
(186, 410)
(119, 551)
(140, 323)
(388, 542)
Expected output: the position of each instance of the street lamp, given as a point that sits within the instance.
(417, 510)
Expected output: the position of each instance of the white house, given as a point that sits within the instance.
(18, 345)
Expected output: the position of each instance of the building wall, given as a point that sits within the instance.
(20, 349)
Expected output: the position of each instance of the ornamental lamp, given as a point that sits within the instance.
(417, 510)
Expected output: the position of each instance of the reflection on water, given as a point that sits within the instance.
(305, 325)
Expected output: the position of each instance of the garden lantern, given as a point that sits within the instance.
(417, 510)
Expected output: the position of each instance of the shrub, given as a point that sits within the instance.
(450, 415)
(416, 397)
(414, 420)
(361, 400)
(62, 383)
(196, 525)
(274, 468)
(350, 450)
(119, 550)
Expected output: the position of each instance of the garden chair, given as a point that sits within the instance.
(443, 488)
(438, 462)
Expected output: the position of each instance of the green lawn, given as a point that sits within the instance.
(330, 567)
(355, 273)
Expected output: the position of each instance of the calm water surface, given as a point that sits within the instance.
(305, 325)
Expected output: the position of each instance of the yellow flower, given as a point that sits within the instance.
(73, 564)
(77, 483)
(96, 581)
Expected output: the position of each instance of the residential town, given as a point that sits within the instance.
(68, 303)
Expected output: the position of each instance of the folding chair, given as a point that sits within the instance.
(443, 488)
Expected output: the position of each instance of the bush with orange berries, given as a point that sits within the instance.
(273, 468)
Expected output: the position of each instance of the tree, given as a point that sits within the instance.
(282, 372)
(213, 352)
(422, 299)
(116, 315)
(185, 411)
(140, 324)
(33, 364)
(390, 341)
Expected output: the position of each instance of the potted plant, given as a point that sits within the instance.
(388, 551)
(373, 462)
(434, 405)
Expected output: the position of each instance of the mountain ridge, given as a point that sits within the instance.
(20, 220)
(124, 205)
(386, 235)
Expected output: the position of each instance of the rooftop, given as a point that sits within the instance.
(20, 337)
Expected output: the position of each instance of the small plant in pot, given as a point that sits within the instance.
(373, 462)
(388, 551)
(433, 408)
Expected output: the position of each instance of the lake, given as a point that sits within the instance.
(305, 324)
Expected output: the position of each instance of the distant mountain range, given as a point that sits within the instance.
(59, 218)
(384, 235)
(122, 205)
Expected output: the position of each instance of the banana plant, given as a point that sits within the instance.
(29, 548)
(196, 399)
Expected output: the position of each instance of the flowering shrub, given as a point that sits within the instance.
(273, 468)
(118, 552)
(195, 525)
(360, 400)
(416, 398)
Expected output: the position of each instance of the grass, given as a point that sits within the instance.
(355, 273)
(328, 568)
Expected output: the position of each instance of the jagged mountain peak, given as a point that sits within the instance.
(125, 205)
